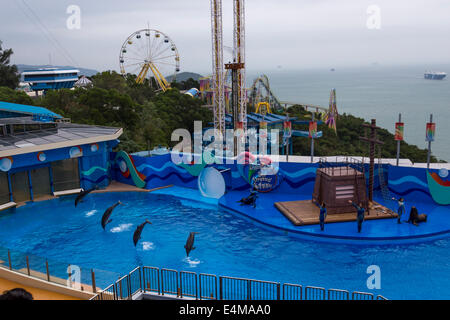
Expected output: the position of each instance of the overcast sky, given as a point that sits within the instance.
(292, 34)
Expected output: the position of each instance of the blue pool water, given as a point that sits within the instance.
(226, 245)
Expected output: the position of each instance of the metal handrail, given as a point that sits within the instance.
(335, 294)
(316, 291)
(213, 295)
(271, 289)
(357, 295)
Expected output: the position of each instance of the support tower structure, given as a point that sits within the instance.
(239, 59)
(218, 99)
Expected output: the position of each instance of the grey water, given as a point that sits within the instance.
(375, 92)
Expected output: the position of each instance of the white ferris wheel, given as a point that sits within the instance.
(150, 53)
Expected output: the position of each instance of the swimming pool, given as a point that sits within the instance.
(226, 245)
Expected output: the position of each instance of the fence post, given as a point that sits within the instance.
(249, 290)
(162, 283)
(129, 287)
(9, 260)
(48, 273)
(69, 274)
(140, 280)
(28, 266)
(120, 289)
(94, 286)
(143, 279)
(200, 285)
(278, 291)
(180, 288)
(220, 288)
(196, 287)
(178, 285)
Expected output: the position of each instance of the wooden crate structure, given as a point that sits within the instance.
(336, 185)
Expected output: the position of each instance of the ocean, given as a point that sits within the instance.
(376, 92)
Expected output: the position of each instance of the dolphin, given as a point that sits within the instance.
(190, 243)
(84, 193)
(107, 214)
(138, 231)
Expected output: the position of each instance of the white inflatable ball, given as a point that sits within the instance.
(211, 183)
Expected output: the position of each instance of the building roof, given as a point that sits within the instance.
(61, 136)
(49, 71)
(83, 82)
(30, 110)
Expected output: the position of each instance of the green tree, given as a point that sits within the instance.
(110, 80)
(14, 96)
(9, 76)
(346, 141)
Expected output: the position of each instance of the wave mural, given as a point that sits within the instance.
(151, 172)
(128, 169)
(439, 189)
(96, 175)
(409, 182)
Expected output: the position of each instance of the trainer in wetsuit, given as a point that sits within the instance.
(322, 214)
(401, 208)
(359, 215)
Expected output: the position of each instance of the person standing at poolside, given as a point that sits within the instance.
(401, 208)
(322, 214)
(360, 213)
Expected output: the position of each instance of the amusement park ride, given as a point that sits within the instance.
(238, 101)
(150, 53)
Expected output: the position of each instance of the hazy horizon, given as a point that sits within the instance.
(288, 34)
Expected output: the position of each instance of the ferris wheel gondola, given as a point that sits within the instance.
(150, 53)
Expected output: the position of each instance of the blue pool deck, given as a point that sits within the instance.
(385, 231)
(374, 232)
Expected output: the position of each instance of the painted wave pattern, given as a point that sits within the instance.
(95, 175)
(166, 171)
(300, 178)
(408, 184)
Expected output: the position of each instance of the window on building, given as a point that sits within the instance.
(4, 188)
(40, 180)
(20, 186)
(65, 175)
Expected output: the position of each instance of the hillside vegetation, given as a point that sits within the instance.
(148, 118)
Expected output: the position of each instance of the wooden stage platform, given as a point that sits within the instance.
(305, 212)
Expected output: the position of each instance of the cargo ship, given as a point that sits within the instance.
(435, 75)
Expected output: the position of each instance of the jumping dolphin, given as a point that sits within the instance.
(107, 214)
(84, 193)
(190, 243)
(138, 231)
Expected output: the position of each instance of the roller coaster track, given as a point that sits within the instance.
(255, 96)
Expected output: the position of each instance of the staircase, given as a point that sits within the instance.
(383, 185)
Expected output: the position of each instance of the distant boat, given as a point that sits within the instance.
(332, 69)
(435, 75)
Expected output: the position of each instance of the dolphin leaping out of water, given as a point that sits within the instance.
(84, 193)
(107, 214)
(138, 231)
(190, 243)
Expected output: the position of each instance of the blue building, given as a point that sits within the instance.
(42, 156)
(50, 78)
(14, 110)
